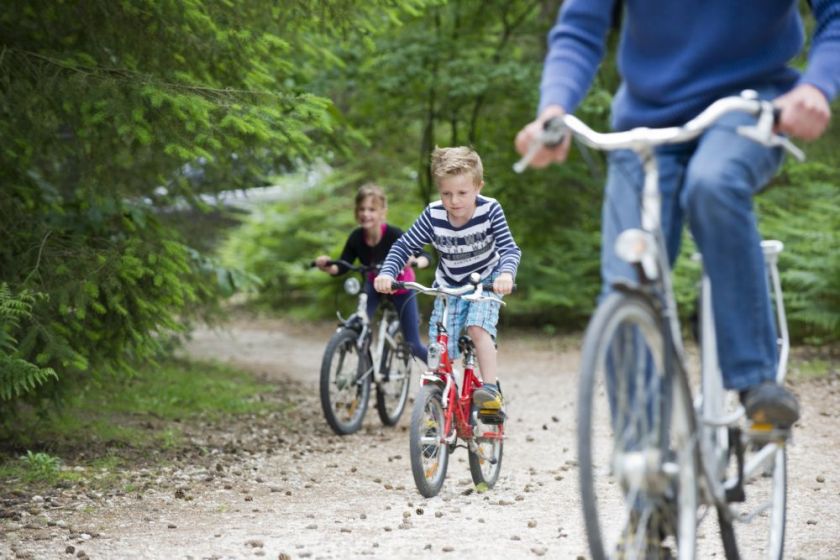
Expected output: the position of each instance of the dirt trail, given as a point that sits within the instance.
(297, 491)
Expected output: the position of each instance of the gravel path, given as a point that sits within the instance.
(272, 488)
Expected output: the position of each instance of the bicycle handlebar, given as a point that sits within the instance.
(350, 266)
(355, 267)
(642, 138)
(472, 292)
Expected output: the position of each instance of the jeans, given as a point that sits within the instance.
(406, 305)
(710, 184)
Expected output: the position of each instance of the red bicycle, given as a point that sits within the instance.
(444, 411)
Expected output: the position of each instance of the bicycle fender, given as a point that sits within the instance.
(642, 290)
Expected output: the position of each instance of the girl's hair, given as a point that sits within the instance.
(371, 190)
(447, 162)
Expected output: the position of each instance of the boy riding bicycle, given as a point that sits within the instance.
(471, 234)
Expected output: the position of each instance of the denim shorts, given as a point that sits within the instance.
(463, 314)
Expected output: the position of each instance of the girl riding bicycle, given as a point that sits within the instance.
(370, 243)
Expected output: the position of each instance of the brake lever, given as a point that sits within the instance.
(552, 135)
(476, 296)
(522, 164)
(762, 132)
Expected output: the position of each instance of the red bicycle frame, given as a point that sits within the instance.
(459, 414)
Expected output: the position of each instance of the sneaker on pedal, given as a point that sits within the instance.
(770, 403)
(488, 400)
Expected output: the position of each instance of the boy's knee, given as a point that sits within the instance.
(478, 333)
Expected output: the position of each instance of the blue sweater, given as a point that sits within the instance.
(678, 56)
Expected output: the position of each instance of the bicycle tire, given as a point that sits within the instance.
(760, 490)
(486, 463)
(429, 453)
(643, 461)
(392, 394)
(344, 387)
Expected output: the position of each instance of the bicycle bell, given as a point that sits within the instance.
(351, 285)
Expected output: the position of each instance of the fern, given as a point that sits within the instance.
(801, 211)
(17, 376)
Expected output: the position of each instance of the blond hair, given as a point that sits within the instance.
(447, 162)
(370, 190)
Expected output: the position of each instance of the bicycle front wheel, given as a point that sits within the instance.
(392, 390)
(345, 383)
(426, 441)
(636, 446)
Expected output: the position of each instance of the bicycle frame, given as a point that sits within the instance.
(457, 416)
(715, 418)
(360, 320)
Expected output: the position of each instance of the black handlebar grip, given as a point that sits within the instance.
(554, 132)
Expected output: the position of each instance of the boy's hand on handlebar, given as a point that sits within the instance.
(382, 284)
(805, 112)
(503, 284)
(532, 134)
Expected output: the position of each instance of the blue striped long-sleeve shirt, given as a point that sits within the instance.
(484, 244)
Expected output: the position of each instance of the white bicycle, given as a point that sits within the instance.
(359, 353)
(649, 454)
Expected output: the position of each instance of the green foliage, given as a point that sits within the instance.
(105, 424)
(801, 211)
(17, 376)
(116, 411)
(111, 113)
(40, 466)
(114, 287)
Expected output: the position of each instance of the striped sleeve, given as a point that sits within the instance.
(410, 243)
(509, 252)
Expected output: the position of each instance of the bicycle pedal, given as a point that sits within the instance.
(492, 415)
(765, 432)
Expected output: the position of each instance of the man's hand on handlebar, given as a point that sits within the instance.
(529, 138)
(805, 112)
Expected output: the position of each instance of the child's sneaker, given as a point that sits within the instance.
(490, 404)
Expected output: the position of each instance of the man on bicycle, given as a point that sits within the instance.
(676, 58)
